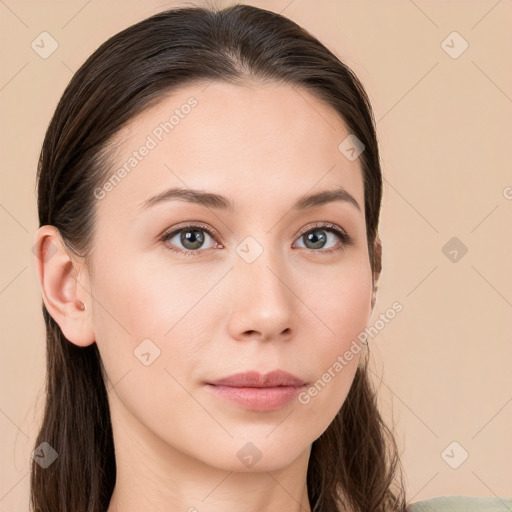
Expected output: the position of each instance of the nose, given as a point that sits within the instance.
(263, 299)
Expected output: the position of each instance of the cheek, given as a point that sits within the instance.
(143, 309)
(144, 300)
(342, 310)
(128, 310)
(352, 309)
(342, 304)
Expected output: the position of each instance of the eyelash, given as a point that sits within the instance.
(346, 240)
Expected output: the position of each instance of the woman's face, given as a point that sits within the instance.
(251, 294)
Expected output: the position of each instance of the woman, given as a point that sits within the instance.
(209, 192)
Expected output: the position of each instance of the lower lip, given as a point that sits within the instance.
(258, 399)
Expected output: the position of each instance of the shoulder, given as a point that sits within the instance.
(462, 504)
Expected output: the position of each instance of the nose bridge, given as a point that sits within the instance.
(262, 294)
(261, 265)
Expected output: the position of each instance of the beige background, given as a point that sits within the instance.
(444, 126)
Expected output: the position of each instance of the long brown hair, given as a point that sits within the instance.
(356, 457)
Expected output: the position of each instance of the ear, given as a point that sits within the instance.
(377, 251)
(64, 286)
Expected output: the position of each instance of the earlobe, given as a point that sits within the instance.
(64, 294)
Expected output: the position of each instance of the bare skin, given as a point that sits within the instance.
(210, 314)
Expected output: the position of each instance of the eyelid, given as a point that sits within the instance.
(190, 224)
(325, 225)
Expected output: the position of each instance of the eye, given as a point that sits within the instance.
(192, 238)
(317, 237)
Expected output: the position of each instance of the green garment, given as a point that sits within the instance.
(462, 504)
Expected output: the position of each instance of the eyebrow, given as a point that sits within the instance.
(217, 201)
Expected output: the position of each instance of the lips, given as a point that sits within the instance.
(258, 392)
(254, 379)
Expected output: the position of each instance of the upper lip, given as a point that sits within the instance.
(254, 379)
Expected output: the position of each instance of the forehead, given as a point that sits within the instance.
(240, 140)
